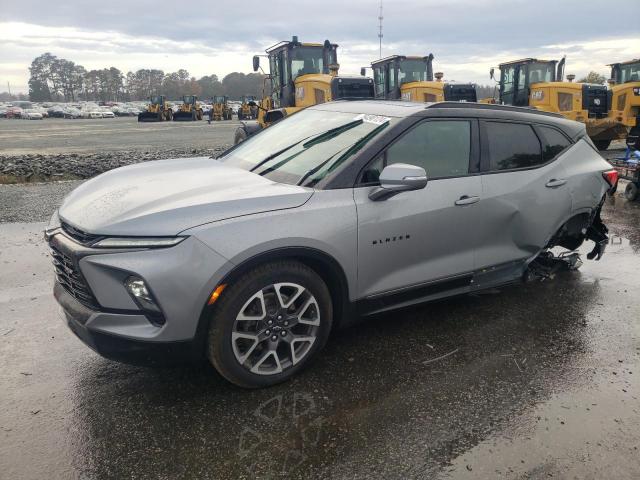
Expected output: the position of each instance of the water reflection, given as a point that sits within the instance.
(372, 405)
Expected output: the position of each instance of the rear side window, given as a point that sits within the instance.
(512, 145)
(553, 142)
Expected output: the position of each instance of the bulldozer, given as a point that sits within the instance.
(248, 108)
(412, 79)
(220, 109)
(539, 84)
(625, 98)
(301, 75)
(189, 110)
(158, 110)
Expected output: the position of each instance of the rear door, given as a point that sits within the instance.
(525, 195)
(425, 235)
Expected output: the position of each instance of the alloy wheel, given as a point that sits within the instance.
(276, 328)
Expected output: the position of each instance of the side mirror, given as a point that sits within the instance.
(399, 177)
(256, 63)
(491, 72)
(363, 71)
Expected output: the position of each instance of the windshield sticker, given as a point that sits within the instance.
(375, 119)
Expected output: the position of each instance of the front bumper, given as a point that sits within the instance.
(100, 311)
(119, 348)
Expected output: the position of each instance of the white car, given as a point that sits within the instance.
(31, 114)
(107, 114)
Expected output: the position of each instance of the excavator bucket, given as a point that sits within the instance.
(185, 116)
(148, 116)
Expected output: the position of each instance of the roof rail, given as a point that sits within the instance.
(492, 106)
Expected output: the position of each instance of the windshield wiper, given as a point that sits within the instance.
(315, 139)
(350, 151)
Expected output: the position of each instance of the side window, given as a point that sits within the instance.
(507, 79)
(553, 142)
(441, 147)
(392, 77)
(512, 145)
(378, 74)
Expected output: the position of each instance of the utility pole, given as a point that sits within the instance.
(380, 28)
(9, 88)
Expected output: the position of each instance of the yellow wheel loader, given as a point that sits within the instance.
(220, 109)
(412, 79)
(190, 110)
(625, 98)
(301, 75)
(248, 108)
(158, 110)
(539, 84)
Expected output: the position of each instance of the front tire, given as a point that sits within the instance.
(269, 324)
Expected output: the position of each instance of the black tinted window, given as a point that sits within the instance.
(440, 147)
(553, 142)
(512, 145)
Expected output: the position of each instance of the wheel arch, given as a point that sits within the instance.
(325, 265)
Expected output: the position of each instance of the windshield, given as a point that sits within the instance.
(630, 73)
(412, 71)
(306, 60)
(304, 148)
(541, 72)
(189, 99)
(218, 99)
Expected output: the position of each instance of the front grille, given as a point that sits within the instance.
(78, 235)
(69, 276)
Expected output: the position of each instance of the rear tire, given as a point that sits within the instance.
(602, 144)
(290, 317)
(631, 191)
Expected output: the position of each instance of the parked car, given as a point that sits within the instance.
(13, 112)
(30, 114)
(343, 210)
(107, 113)
(73, 113)
(56, 112)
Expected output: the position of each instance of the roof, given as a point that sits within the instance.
(401, 57)
(527, 60)
(390, 108)
(628, 62)
(401, 109)
(286, 43)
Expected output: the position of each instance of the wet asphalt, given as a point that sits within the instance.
(538, 380)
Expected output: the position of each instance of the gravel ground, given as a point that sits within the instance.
(57, 149)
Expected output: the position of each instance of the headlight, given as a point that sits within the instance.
(138, 242)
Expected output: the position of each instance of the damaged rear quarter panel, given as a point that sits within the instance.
(520, 213)
(586, 185)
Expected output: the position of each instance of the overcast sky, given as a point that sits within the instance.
(218, 36)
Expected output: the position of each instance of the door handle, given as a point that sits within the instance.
(555, 182)
(467, 200)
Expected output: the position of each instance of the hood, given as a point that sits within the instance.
(165, 197)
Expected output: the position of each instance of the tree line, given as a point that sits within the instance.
(57, 79)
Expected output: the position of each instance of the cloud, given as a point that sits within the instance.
(467, 37)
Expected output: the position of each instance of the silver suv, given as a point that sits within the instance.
(343, 210)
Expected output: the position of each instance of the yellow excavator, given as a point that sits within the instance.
(539, 84)
(412, 79)
(220, 108)
(248, 108)
(625, 98)
(189, 110)
(158, 110)
(301, 75)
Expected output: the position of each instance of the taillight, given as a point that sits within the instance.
(611, 176)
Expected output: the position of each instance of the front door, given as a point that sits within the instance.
(425, 235)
